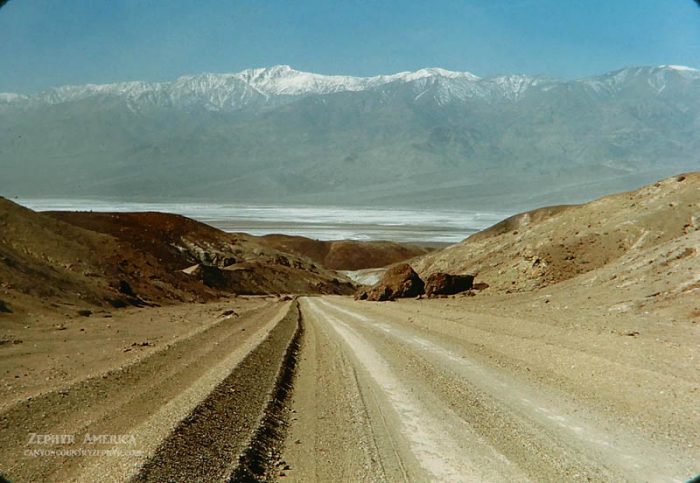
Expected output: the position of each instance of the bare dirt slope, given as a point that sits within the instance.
(345, 254)
(44, 262)
(74, 261)
(50, 351)
(548, 246)
(238, 262)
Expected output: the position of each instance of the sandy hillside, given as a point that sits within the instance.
(547, 246)
(44, 262)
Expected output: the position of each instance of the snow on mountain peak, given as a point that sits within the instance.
(656, 77)
(11, 97)
(234, 90)
(434, 72)
(284, 80)
(276, 85)
(680, 68)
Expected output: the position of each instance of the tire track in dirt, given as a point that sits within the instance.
(207, 445)
(329, 414)
(416, 435)
(145, 399)
(577, 440)
(262, 458)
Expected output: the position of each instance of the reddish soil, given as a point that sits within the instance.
(46, 262)
(236, 263)
(50, 261)
(345, 254)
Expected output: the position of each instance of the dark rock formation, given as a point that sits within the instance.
(4, 308)
(400, 281)
(447, 284)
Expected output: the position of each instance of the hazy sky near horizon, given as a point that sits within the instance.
(45, 43)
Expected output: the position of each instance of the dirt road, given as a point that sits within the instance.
(330, 389)
(407, 391)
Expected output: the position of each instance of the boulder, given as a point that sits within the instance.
(447, 284)
(400, 281)
(4, 308)
(214, 277)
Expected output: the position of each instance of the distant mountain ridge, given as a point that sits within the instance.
(426, 137)
(229, 91)
(233, 91)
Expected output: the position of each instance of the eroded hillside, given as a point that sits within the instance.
(544, 247)
(79, 260)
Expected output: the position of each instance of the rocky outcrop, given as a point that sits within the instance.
(400, 281)
(447, 284)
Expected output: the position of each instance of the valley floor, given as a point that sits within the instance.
(487, 388)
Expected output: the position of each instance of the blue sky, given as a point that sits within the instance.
(46, 43)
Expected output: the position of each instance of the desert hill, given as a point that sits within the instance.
(344, 254)
(97, 259)
(233, 262)
(544, 247)
(44, 259)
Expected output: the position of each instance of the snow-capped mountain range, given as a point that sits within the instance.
(272, 85)
(429, 137)
(231, 91)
